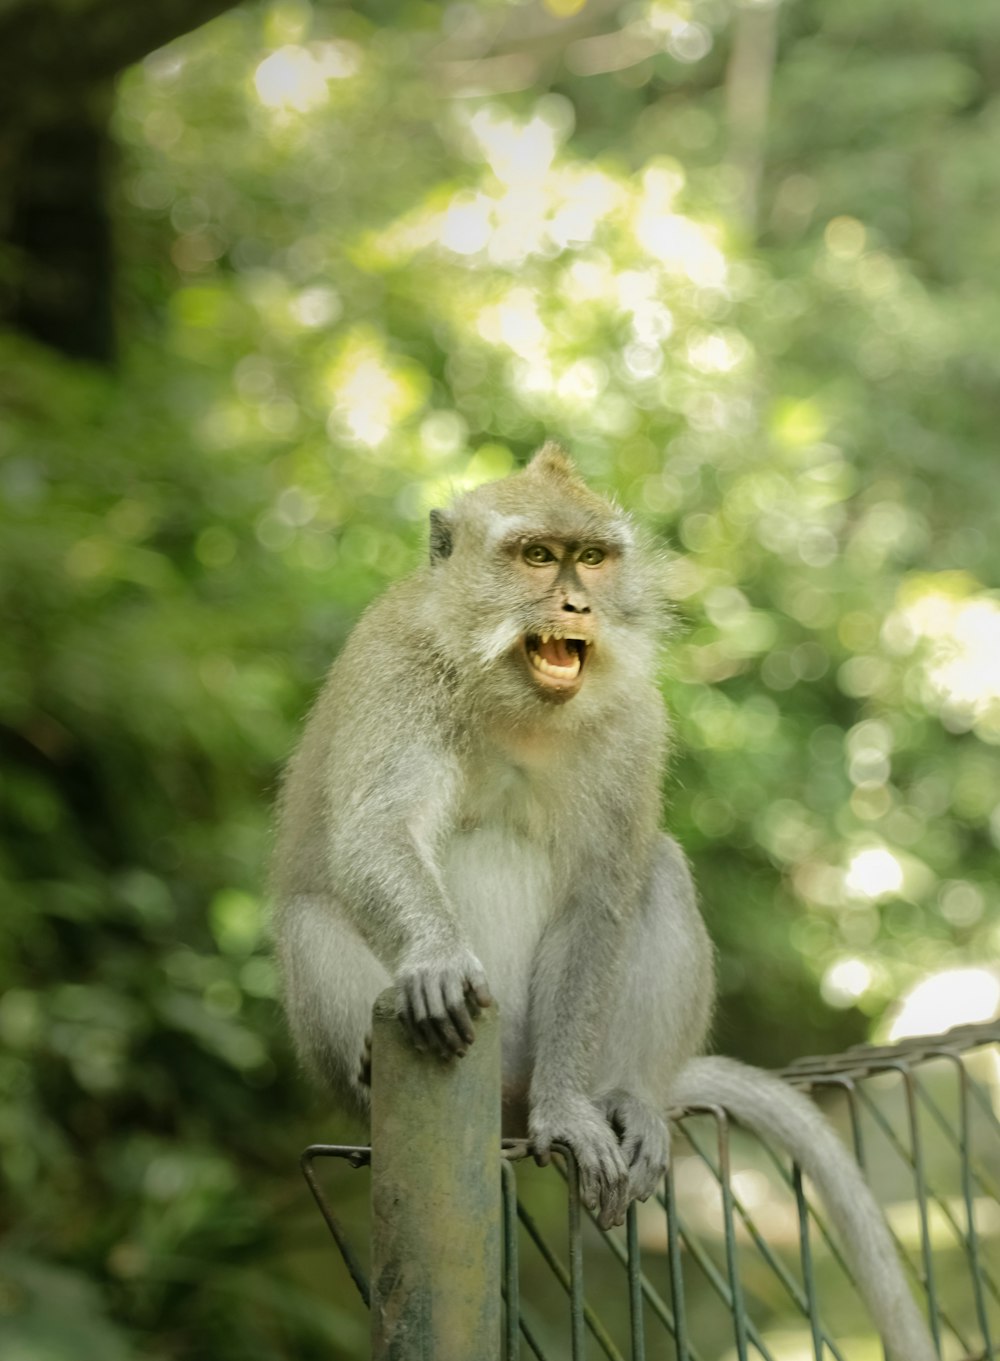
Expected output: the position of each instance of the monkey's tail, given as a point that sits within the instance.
(784, 1116)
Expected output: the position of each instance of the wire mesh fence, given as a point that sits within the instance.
(732, 1260)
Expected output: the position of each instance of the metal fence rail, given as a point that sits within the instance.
(732, 1260)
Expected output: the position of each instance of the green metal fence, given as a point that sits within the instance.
(731, 1260)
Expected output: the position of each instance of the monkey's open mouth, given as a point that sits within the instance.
(556, 658)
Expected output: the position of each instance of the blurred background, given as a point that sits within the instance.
(275, 279)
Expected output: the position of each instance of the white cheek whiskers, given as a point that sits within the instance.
(498, 641)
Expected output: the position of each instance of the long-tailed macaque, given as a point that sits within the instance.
(473, 813)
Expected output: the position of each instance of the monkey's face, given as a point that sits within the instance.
(562, 581)
(545, 589)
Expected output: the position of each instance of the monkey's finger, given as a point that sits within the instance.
(647, 1152)
(598, 1191)
(635, 1150)
(477, 986)
(541, 1151)
(455, 1002)
(407, 1021)
(588, 1194)
(590, 1187)
(438, 1023)
(612, 1204)
(413, 1032)
(645, 1174)
(412, 1012)
(612, 1215)
(616, 1120)
(430, 1039)
(608, 1187)
(616, 1197)
(429, 1010)
(483, 995)
(451, 1043)
(471, 1002)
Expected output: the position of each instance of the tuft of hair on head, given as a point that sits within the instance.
(552, 460)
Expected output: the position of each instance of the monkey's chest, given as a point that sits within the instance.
(498, 861)
(502, 887)
(502, 796)
(502, 879)
(505, 883)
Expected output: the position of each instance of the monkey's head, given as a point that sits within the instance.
(541, 587)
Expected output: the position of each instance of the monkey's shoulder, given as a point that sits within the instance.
(380, 725)
(390, 661)
(398, 614)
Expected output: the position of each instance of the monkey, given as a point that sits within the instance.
(473, 815)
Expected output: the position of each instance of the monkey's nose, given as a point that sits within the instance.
(575, 606)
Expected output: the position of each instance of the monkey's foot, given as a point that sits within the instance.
(604, 1174)
(365, 1063)
(644, 1138)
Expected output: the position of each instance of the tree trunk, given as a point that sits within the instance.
(58, 62)
(61, 237)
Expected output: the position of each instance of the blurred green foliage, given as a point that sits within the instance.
(369, 257)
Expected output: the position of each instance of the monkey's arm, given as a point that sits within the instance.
(383, 857)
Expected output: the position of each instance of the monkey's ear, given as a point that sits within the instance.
(552, 460)
(440, 537)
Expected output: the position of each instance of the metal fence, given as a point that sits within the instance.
(730, 1261)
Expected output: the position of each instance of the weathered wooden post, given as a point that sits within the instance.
(436, 1235)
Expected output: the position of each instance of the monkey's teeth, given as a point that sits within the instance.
(556, 672)
(561, 633)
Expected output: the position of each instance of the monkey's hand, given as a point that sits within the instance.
(437, 999)
(604, 1175)
(644, 1139)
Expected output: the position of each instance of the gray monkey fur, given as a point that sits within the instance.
(468, 827)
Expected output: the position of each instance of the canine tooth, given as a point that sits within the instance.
(545, 637)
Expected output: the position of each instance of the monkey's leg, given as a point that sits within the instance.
(657, 1019)
(619, 1001)
(331, 981)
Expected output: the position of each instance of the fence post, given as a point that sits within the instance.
(436, 1215)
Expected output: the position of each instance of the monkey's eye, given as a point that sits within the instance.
(592, 557)
(538, 555)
